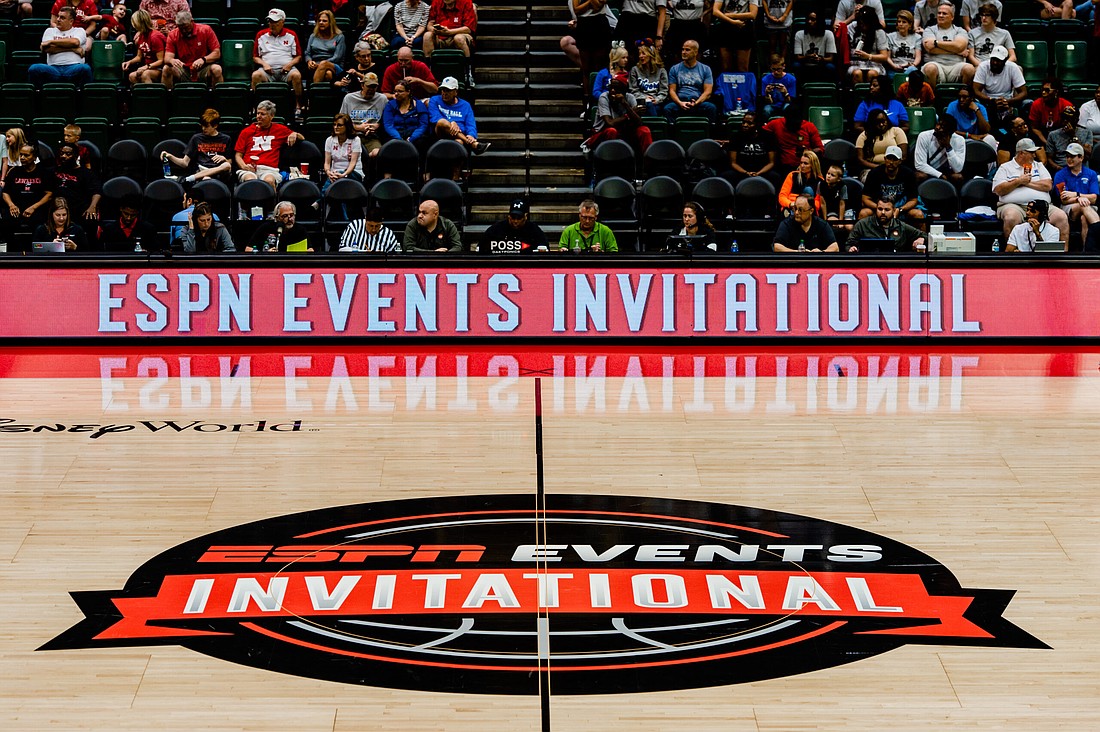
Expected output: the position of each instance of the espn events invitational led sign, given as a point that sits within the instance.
(641, 594)
(545, 302)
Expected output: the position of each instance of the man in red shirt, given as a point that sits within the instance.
(793, 136)
(1046, 111)
(191, 53)
(258, 147)
(416, 75)
(452, 24)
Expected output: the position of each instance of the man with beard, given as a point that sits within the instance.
(79, 186)
(885, 225)
(752, 152)
(516, 234)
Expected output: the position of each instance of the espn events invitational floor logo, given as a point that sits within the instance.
(443, 594)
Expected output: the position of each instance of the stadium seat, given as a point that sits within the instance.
(828, 120)
(615, 197)
(303, 193)
(19, 98)
(100, 99)
(172, 146)
(350, 197)
(183, 128)
(149, 100)
(757, 207)
(162, 199)
(280, 93)
(218, 195)
(448, 194)
(188, 99)
(658, 127)
(394, 198)
(1033, 59)
(664, 158)
(146, 130)
(1071, 60)
(399, 159)
(446, 62)
(237, 59)
(979, 156)
(94, 130)
(303, 152)
(839, 152)
(688, 130)
(48, 130)
(940, 201)
(444, 157)
(58, 99)
(920, 119)
(29, 37)
(107, 58)
(46, 154)
(233, 99)
(709, 154)
(127, 158)
(1067, 29)
(324, 102)
(113, 192)
(660, 208)
(19, 62)
(979, 192)
(317, 130)
(716, 195)
(614, 158)
(255, 194)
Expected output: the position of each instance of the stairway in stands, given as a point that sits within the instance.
(529, 106)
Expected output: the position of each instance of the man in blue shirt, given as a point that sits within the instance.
(690, 86)
(453, 118)
(1077, 188)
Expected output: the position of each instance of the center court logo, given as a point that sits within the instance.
(442, 594)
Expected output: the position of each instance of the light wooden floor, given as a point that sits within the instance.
(997, 478)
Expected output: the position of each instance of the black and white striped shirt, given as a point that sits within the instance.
(356, 239)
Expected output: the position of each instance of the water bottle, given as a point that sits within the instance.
(166, 165)
(734, 249)
(740, 107)
(576, 246)
(996, 245)
(137, 245)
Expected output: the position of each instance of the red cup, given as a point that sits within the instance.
(304, 167)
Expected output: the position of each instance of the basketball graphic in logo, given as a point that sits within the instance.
(445, 594)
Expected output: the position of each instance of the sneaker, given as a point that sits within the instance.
(470, 80)
(482, 148)
(585, 148)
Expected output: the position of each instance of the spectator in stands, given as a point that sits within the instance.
(751, 151)
(278, 53)
(815, 51)
(794, 135)
(87, 16)
(689, 21)
(924, 14)
(999, 84)
(803, 182)
(1016, 130)
(694, 224)
(204, 235)
(1033, 229)
(191, 198)
(970, 12)
(208, 150)
(587, 235)
(28, 189)
(281, 233)
(369, 235)
(191, 53)
(592, 23)
(1090, 113)
(325, 49)
(148, 60)
(642, 21)
(884, 224)
(164, 12)
(847, 12)
(406, 118)
(59, 226)
(894, 181)
(15, 10)
(987, 36)
(915, 91)
(1059, 9)
(649, 81)
(410, 19)
(77, 185)
(72, 133)
(64, 46)
(877, 139)
(779, 87)
(833, 194)
(365, 109)
(617, 118)
(352, 79)
(778, 19)
(879, 97)
(944, 48)
(1077, 188)
(618, 62)
(940, 153)
(870, 47)
(1021, 180)
(415, 74)
(453, 119)
(14, 140)
(690, 86)
(113, 26)
(452, 24)
(343, 153)
(430, 232)
(1060, 138)
(516, 234)
(1046, 112)
(260, 144)
(971, 118)
(734, 33)
(803, 231)
(129, 233)
(904, 45)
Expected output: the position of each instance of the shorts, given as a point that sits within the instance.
(203, 74)
(261, 171)
(737, 39)
(277, 74)
(593, 34)
(449, 41)
(370, 144)
(951, 74)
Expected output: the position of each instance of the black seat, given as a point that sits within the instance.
(346, 200)
(304, 151)
(127, 158)
(664, 158)
(163, 200)
(661, 205)
(979, 156)
(444, 157)
(171, 146)
(256, 201)
(717, 196)
(614, 158)
(839, 151)
(757, 208)
(710, 154)
(217, 195)
(394, 197)
(941, 202)
(113, 192)
(979, 192)
(303, 193)
(615, 196)
(399, 159)
(448, 194)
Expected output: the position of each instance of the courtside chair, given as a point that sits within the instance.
(448, 194)
(614, 158)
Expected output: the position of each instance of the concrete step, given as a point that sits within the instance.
(491, 107)
(538, 28)
(555, 12)
(518, 91)
(498, 198)
(537, 124)
(538, 158)
(543, 142)
(516, 42)
(574, 177)
(490, 77)
(517, 59)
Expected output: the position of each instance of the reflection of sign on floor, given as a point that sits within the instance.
(642, 594)
(145, 426)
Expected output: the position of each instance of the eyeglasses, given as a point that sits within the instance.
(1046, 90)
(798, 209)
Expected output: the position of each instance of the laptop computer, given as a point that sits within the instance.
(47, 247)
(1049, 246)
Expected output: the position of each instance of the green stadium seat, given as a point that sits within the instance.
(690, 129)
(95, 130)
(146, 130)
(100, 99)
(188, 99)
(324, 100)
(3, 61)
(920, 119)
(828, 120)
(1033, 58)
(448, 62)
(1071, 60)
(107, 58)
(19, 97)
(29, 37)
(49, 130)
(237, 60)
(19, 62)
(58, 100)
(658, 126)
(183, 128)
(149, 100)
(233, 99)
(280, 93)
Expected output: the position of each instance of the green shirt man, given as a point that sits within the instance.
(587, 235)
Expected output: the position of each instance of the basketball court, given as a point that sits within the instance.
(981, 459)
